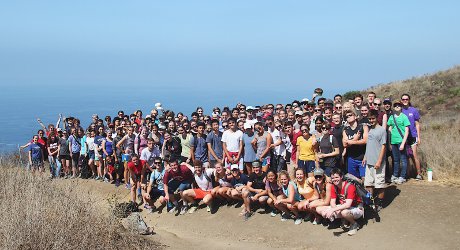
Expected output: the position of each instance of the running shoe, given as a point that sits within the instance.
(273, 213)
(353, 229)
(192, 209)
(183, 210)
(97, 178)
(316, 222)
(394, 178)
(345, 225)
(117, 183)
(400, 180)
(247, 215)
(106, 180)
(284, 217)
(208, 208)
(419, 177)
(173, 210)
(128, 186)
(298, 221)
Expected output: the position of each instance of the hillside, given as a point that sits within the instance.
(435, 94)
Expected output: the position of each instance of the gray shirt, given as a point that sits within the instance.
(375, 139)
(216, 144)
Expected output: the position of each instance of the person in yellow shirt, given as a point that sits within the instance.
(306, 151)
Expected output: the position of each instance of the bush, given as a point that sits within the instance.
(350, 95)
(37, 213)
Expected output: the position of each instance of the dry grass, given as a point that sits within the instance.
(440, 147)
(37, 213)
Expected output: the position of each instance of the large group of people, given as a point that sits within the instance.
(289, 159)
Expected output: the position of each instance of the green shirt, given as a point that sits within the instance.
(401, 122)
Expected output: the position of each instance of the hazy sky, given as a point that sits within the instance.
(219, 45)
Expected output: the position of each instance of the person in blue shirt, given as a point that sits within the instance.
(35, 155)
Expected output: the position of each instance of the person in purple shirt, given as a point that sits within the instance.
(414, 129)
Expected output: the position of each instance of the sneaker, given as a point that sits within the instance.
(345, 225)
(97, 178)
(400, 180)
(106, 180)
(79, 175)
(316, 222)
(353, 229)
(66, 176)
(307, 218)
(192, 209)
(284, 217)
(208, 208)
(183, 210)
(117, 183)
(173, 210)
(419, 177)
(394, 179)
(72, 177)
(298, 221)
(273, 214)
(128, 186)
(146, 206)
(247, 215)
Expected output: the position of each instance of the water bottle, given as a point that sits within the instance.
(430, 174)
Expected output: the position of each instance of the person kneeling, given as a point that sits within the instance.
(254, 190)
(350, 207)
(155, 189)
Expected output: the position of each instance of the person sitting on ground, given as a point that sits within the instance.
(109, 163)
(254, 190)
(238, 181)
(176, 180)
(287, 202)
(321, 197)
(201, 190)
(136, 168)
(155, 189)
(350, 207)
(273, 190)
(222, 183)
(305, 187)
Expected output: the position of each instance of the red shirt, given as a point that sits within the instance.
(137, 169)
(293, 138)
(183, 174)
(351, 194)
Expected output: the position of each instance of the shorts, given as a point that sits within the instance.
(75, 158)
(125, 157)
(307, 166)
(135, 178)
(200, 194)
(64, 157)
(356, 212)
(356, 167)
(375, 178)
(91, 155)
(240, 162)
(156, 193)
(174, 185)
(38, 163)
(414, 142)
(265, 161)
(327, 170)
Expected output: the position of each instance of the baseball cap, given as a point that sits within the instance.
(305, 100)
(247, 125)
(299, 112)
(328, 101)
(318, 171)
(256, 164)
(234, 166)
(387, 100)
(396, 103)
(250, 108)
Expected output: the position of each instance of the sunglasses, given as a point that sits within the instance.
(378, 104)
(324, 128)
(318, 176)
(157, 162)
(348, 116)
(317, 110)
(339, 107)
(404, 99)
(304, 130)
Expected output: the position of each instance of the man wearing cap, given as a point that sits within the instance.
(298, 119)
(354, 140)
(214, 142)
(251, 119)
(255, 189)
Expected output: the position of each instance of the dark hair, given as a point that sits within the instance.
(231, 119)
(272, 171)
(373, 113)
(197, 163)
(319, 118)
(336, 171)
(358, 95)
(214, 121)
(269, 118)
(202, 124)
(194, 114)
(338, 95)
(288, 123)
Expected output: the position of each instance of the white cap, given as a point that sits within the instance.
(305, 100)
(299, 112)
(234, 166)
(157, 104)
(247, 125)
(159, 108)
(250, 108)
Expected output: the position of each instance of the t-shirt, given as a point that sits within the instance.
(115, 149)
(413, 115)
(232, 139)
(376, 138)
(90, 142)
(257, 180)
(149, 156)
(183, 174)
(401, 122)
(83, 149)
(200, 147)
(74, 144)
(128, 144)
(156, 178)
(273, 187)
(293, 138)
(327, 146)
(249, 152)
(64, 144)
(215, 140)
(98, 141)
(137, 169)
(202, 181)
(243, 180)
(185, 143)
(36, 151)
(337, 132)
(53, 144)
(351, 194)
(276, 136)
(306, 150)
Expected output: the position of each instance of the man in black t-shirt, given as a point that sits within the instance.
(354, 141)
(254, 190)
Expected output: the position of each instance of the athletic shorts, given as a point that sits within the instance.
(64, 157)
(240, 162)
(156, 193)
(200, 194)
(91, 155)
(356, 167)
(307, 166)
(38, 163)
(357, 212)
(375, 178)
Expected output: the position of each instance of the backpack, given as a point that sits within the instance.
(360, 189)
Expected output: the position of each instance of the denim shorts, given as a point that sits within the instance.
(125, 157)
(307, 166)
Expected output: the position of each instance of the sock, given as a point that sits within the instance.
(185, 203)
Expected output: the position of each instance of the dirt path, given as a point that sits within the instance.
(421, 215)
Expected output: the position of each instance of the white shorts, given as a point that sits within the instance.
(356, 212)
(375, 178)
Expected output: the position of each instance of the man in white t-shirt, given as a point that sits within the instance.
(201, 190)
(277, 162)
(149, 153)
(232, 144)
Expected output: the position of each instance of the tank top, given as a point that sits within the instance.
(141, 143)
(108, 146)
(129, 144)
(249, 154)
(261, 143)
(355, 151)
(286, 191)
(306, 190)
(185, 143)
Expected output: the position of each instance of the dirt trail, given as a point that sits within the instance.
(421, 215)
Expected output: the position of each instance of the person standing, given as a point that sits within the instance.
(214, 141)
(414, 129)
(398, 124)
(199, 147)
(232, 145)
(354, 142)
(374, 159)
(36, 156)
